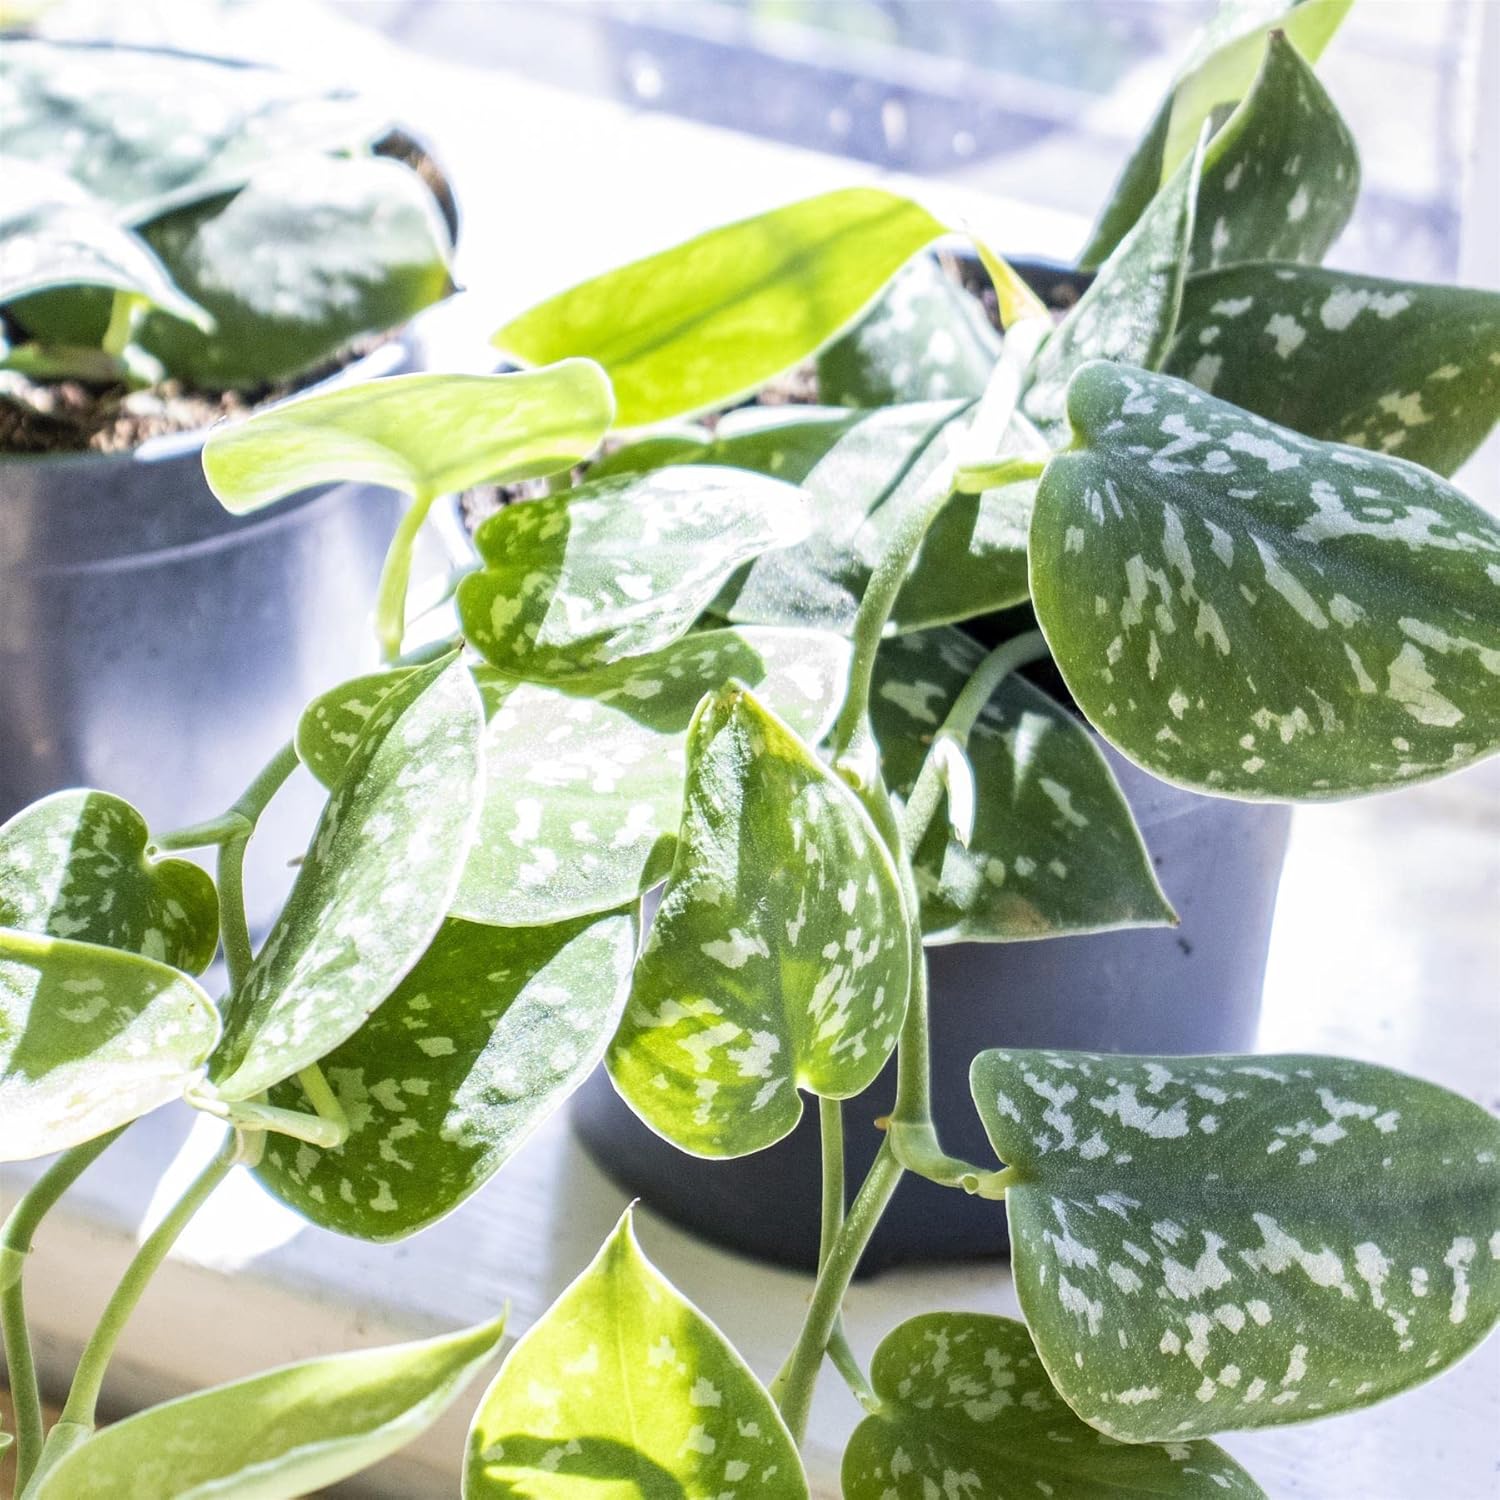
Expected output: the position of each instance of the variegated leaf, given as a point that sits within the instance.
(624, 1387)
(1399, 367)
(779, 958)
(620, 567)
(1248, 611)
(966, 1404)
(90, 1039)
(1209, 1243)
(1280, 179)
(487, 1035)
(331, 725)
(1053, 848)
(584, 776)
(378, 879)
(926, 339)
(74, 865)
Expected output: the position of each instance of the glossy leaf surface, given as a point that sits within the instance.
(1219, 71)
(488, 1034)
(779, 956)
(1280, 179)
(926, 339)
(1400, 367)
(711, 320)
(377, 881)
(74, 865)
(1130, 310)
(965, 1400)
(90, 1038)
(275, 1436)
(1209, 1243)
(303, 260)
(617, 568)
(147, 131)
(428, 434)
(1053, 848)
(331, 725)
(624, 1387)
(1244, 610)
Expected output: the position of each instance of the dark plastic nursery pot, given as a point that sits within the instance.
(1193, 988)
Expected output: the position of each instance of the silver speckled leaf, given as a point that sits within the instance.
(964, 1401)
(1053, 849)
(624, 1388)
(377, 881)
(619, 567)
(1209, 1243)
(1247, 611)
(488, 1034)
(779, 958)
(90, 1038)
(74, 865)
(331, 725)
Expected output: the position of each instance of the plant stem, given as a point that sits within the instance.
(395, 575)
(77, 1420)
(831, 1121)
(324, 1101)
(15, 1246)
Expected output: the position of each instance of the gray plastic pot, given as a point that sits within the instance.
(157, 647)
(1194, 988)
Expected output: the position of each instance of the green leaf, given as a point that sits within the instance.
(421, 434)
(74, 865)
(486, 1036)
(1396, 366)
(90, 1039)
(1280, 179)
(301, 261)
(624, 1387)
(1053, 848)
(1219, 71)
(53, 235)
(377, 881)
(584, 777)
(285, 1433)
(963, 1394)
(1247, 611)
(331, 725)
(147, 131)
(1209, 1243)
(1129, 312)
(779, 958)
(617, 568)
(925, 340)
(710, 321)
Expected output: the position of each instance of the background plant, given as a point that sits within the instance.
(728, 660)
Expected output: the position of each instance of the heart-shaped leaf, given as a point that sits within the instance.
(711, 320)
(1129, 312)
(147, 131)
(617, 568)
(285, 1433)
(925, 340)
(584, 777)
(1209, 1243)
(377, 881)
(1396, 366)
(624, 1386)
(52, 234)
(486, 1036)
(74, 865)
(90, 1039)
(779, 958)
(1280, 179)
(1053, 848)
(1219, 70)
(964, 1394)
(309, 255)
(1247, 611)
(332, 724)
(421, 434)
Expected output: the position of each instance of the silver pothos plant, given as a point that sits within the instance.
(727, 660)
